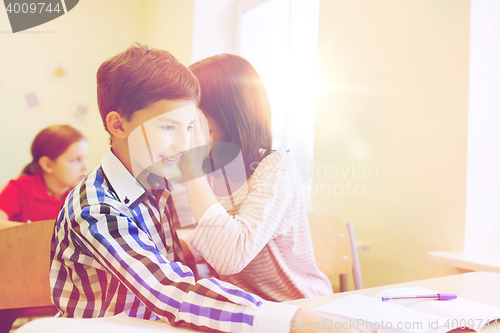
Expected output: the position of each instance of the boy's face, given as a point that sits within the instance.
(159, 134)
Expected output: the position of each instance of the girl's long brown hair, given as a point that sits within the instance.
(233, 94)
(52, 141)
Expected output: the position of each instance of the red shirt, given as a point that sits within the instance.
(26, 198)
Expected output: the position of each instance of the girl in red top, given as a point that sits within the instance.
(59, 153)
(58, 165)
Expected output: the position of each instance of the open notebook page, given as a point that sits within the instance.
(362, 311)
(467, 313)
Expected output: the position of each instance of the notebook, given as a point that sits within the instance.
(413, 316)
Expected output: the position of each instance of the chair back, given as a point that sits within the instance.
(25, 265)
(331, 243)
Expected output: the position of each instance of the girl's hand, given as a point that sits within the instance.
(202, 125)
(191, 161)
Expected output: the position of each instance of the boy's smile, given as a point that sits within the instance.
(156, 136)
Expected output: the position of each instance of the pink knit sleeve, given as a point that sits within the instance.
(228, 243)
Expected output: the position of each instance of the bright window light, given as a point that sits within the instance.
(280, 39)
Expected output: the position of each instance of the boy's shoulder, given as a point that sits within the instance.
(92, 198)
(109, 184)
(108, 189)
(94, 189)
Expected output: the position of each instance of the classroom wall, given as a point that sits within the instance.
(391, 129)
(169, 26)
(214, 28)
(80, 40)
(392, 104)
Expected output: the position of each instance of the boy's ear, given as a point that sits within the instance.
(114, 123)
(46, 164)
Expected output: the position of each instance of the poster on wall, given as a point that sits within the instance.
(80, 112)
(32, 100)
(57, 73)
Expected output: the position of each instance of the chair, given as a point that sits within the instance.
(335, 248)
(25, 265)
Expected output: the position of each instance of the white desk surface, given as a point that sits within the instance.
(477, 286)
(461, 260)
(482, 287)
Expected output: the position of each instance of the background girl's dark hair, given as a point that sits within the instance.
(233, 94)
(51, 142)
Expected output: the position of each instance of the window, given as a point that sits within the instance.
(280, 39)
(482, 216)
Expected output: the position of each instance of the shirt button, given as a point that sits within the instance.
(254, 225)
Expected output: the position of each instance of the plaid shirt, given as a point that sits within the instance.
(111, 253)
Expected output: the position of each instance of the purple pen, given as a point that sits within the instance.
(438, 297)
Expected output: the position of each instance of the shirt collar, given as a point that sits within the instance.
(126, 187)
(159, 183)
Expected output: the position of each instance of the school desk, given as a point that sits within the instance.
(477, 286)
(464, 261)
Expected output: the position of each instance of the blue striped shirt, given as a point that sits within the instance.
(111, 253)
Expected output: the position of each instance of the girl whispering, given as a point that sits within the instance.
(252, 225)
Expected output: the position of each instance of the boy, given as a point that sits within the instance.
(114, 249)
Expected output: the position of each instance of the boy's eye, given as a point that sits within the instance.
(168, 128)
(190, 127)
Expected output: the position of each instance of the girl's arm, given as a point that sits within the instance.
(11, 203)
(228, 243)
(4, 223)
(200, 196)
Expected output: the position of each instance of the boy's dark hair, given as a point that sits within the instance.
(134, 79)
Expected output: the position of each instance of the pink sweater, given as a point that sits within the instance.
(263, 243)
